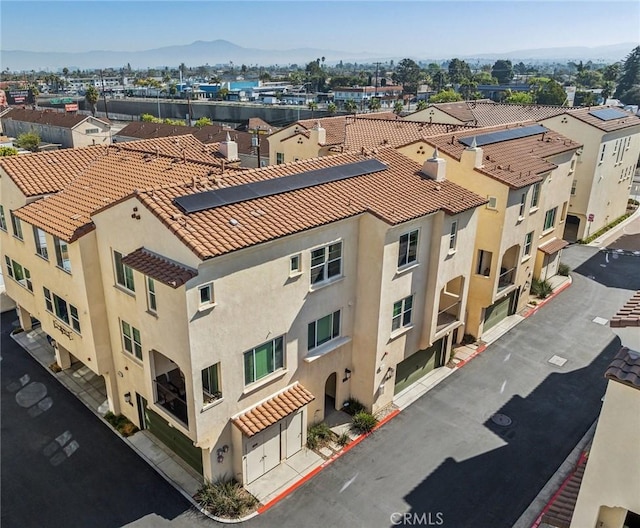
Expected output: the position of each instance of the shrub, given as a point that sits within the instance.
(121, 423)
(602, 231)
(563, 269)
(541, 288)
(352, 406)
(343, 439)
(226, 498)
(318, 435)
(632, 201)
(55, 367)
(363, 422)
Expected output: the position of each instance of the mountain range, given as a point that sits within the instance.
(224, 52)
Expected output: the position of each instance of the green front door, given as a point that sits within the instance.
(174, 439)
(497, 312)
(417, 365)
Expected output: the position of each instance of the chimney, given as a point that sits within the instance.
(472, 155)
(435, 167)
(318, 134)
(229, 149)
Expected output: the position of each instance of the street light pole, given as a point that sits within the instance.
(158, 99)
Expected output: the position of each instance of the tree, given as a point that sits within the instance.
(148, 118)
(484, 78)
(8, 151)
(610, 72)
(521, 98)
(630, 73)
(550, 93)
(313, 106)
(374, 104)
(351, 106)
(458, 71)
(407, 74)
(91, 96)
(503, 71)
(445, 96)
(607, 90)
(222, 93)
(632, 96)
(65, 71)
(583, 98)
(398, 107)
(422, 104)
(203, 121)
(468, 88)
(29, 141)
(332, 108)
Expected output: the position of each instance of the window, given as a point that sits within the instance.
(326, 263)
(535, 195)
(563, 214)
(21, 275)
(16, 225)
(62, 254)
(484, 262)
(41, 243)
(92, 130)
(528, 241)
(295, 266)
(572, 168)
(279, 158)
(9, 267)
(124, 274)
(211, 389)
(550, 218)
(574, 184)
(493, 203)
(323, 330)
(453, 236)
(523, 201)
(131, 340)
(408, 252)
(402, 313)
(3, 220)
(47, 300)
(263, 360)
(75, 320)
(604, 147)
(206, 294)
(152, 305)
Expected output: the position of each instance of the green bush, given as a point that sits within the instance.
(602, 231)
(343, 439)
(363, 422)
(352, 406)
(318, 435)
(226, 498)
(541, 288)
(563, 269)
(121, 423)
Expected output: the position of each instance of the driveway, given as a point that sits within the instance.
(444, 460)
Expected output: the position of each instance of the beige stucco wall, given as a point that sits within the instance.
(66, 137)
(611, 478)
(295, 148)
(600, 189)
(80, 137)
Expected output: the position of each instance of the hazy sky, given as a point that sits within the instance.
(384, 27)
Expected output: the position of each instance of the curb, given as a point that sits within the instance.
(533, 310)
(317, 470)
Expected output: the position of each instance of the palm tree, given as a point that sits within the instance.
(422, 104)
(351, 106)
(374, 104)
(398, 107)
(332, 108)
(91, 96)
(313, 106)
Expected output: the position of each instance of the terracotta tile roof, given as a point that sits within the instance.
(629, 314)
(553, 246)
(115, 173)
(179, 147)
(48, 117)
(146, 130)
(159, 268)
(608, 126)
(517, 162)
(49, 172)
(488, 113)
(395, 195)
(274, 409)
(625, 368)
(563, 504)
(335, 126)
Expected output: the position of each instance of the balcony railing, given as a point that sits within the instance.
(446, 318)
(506, 278)
(168, 397)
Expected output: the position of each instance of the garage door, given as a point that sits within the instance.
(497, 312)
(417, 365)
(294, 433)
(263, 452)
(174, 439)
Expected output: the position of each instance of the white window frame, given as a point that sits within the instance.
(492, 203)
(554, 213)
(40, 239)
(295, 264)
(535, 195)
(16, 226)
(402, 314)
(335, 323)
(528, 244)
(604, 148)
(206, 303)
(279, 158)
(48, 299)
(274, 358)
(453, 236)
(119, 268)
(405, 259)
(574, 186)
(62, 249)
(3, 220)
(152, 299)
(325, 267)
(207, 377)
(130, 344)
(523, 205)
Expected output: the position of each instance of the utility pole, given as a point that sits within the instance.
(104, 96)
(377, 65)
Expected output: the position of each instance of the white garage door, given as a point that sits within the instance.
(263, 452)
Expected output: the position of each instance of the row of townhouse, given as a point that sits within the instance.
(602, 178)
(228, 309)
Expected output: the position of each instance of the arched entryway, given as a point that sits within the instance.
(330, 394)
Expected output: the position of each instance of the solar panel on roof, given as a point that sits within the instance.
(504, 135)
(193, 203)
(608, 114)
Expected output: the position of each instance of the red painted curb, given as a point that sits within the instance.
(317, 470)
(478, 351)
(545, 301)
(581, 460)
